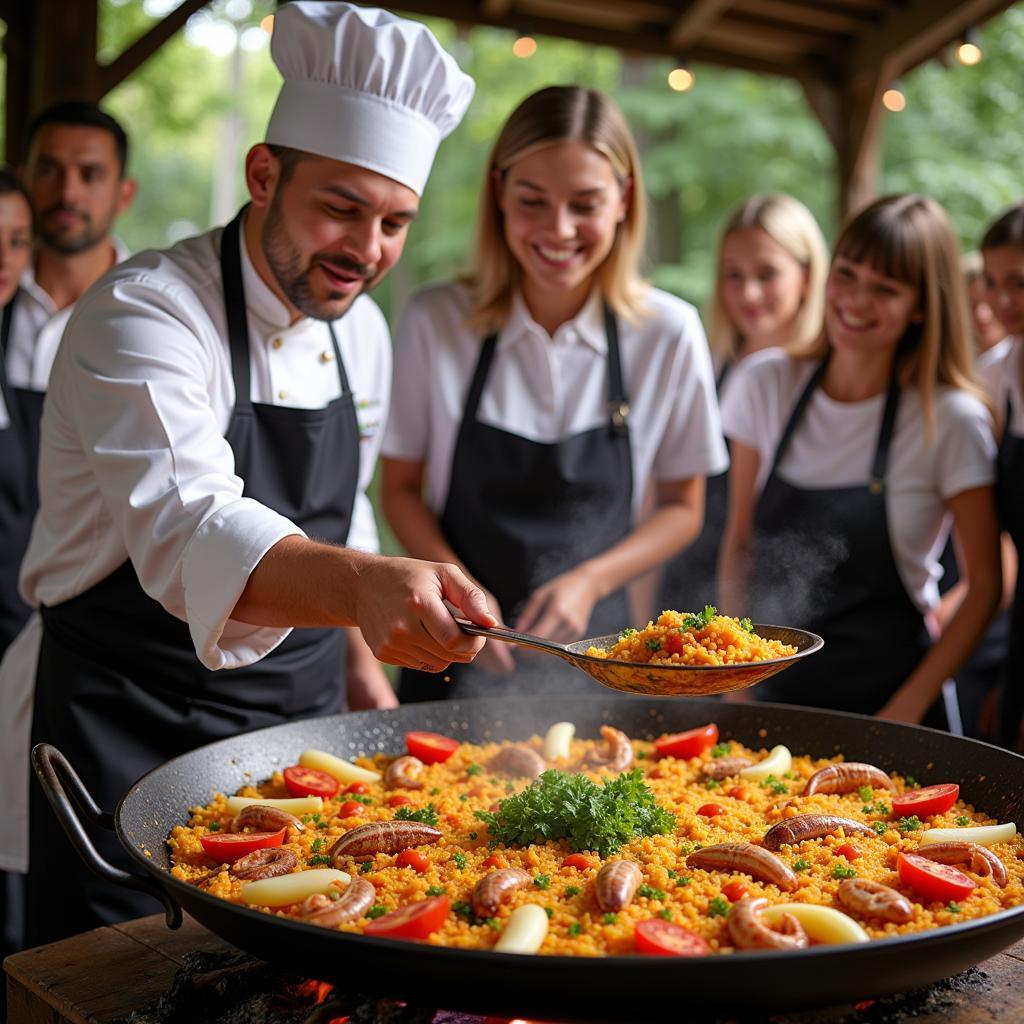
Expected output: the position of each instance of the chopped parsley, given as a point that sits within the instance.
(610, 918)
(718, 907)
(473, 769)
(694, 622)
(460, 859)
(720, 749)
(366, 867)
(465, 910)
(953, 908)
(322, 858)
(463, 796)
(425, 815)
(359, 799)
(651, 893)
(963, 820)
(712, 784)
(542, 881)
(880, 827)
(436, 890)
(910, 781)
(841, 871)
(746, 625)
(376, 911)
(682, 881)
(865, 793)
(509, 788)
(774, 785)
(641, 754)
(879, 807)
(592, 816)
(549, 911)
(575, 928)
(666, 913)
(571, 890)
(626, 632)
(214, 826)
(318, 845)
(801, 865)
(911, 824)
(323, 824)
(494, 923)
(672, 874)
(435, 791)
(653, 645)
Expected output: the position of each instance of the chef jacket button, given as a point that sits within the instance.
(326, 357)
(282, 394)
(276, 343)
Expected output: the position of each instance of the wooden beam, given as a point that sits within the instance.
(63, 52)
(495, 8)
(811, 15)
(114, 73)
(916, 31)
(17, 80)
(690, 26)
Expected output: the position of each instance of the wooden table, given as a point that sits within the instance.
(103, 975)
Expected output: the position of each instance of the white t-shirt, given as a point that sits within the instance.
(834, 446)
(547, 389)
(1001, 369)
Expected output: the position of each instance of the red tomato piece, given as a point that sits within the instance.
(687, 744)
(737, 793)
(494, 861)
(849, 851)
(397, 800)
(933, 881)
(655, 773)
(413, 921)
(309, 782)
(923, 802)
(229, 846)
(349, 808)
(710, 810)
(412, 859)
(674, 643)
(735, 891)
(577, 861)
(663, 938)
(430, 747)
(357, 787)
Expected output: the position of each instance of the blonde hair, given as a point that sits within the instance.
(551, 116)
(910, 239)
(789, 223)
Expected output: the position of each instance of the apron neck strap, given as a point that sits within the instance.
(238, 327)
(881, 459)
(723, 372)
(5, 334)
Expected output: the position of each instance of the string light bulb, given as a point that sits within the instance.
(681, 78)
(893, 98)
(524, 46)
(968, 52)
(267, 24)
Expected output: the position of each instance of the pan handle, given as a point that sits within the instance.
(511, 636)
(57, 778)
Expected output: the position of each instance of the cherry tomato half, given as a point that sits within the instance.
(923, 802)
(687, 744)
(849, 851)
(413, 921)
(738, 793)
(397, 800)
(412, 859)
(710, 810)
(663, 938)
(734, 891)
(430, 747)
(576, 860)
(350, 808)
(229, 846)
(940, 882)
(309, 782)
(357, 787)
(494, 861)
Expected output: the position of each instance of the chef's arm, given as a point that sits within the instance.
(977, 527)
(560, 609)
(737, 540)
(398, 603)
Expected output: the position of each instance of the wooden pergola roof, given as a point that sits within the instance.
(844, 53)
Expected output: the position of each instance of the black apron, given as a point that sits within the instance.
(19, 492)
(823, 561)
(1010, 498)
(119, 688)
(519, 513)
(690, 579)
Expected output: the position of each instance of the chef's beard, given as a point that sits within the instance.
(70, 241)
(285, 261)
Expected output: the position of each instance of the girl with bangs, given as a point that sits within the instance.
(769, 290)
(851, 454)
(537, 400)
(1002, 371)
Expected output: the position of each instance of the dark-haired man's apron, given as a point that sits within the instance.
(1010, 497)
(119, 688)
(19, 499)
(690, 579)
(823, 561)
(520, 513)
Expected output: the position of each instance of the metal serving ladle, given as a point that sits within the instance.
(660, 680)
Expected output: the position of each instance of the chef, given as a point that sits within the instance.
(214, 415)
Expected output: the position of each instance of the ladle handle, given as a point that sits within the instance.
(511, 636)
(57, 778)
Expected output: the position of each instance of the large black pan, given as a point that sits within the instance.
(566, 988)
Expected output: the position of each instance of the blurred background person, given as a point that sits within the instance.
(848, 455)
(988, 328)
(538, 400)
(769, 290)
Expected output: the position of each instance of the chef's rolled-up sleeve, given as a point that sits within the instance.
(142, 367)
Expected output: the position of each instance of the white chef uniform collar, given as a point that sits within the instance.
(364, 87)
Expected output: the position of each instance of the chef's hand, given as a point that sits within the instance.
(560, 609)
(496, 656)
(401, 612)
(367, 686)
(901, 708)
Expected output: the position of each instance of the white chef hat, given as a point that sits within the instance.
(365, 87)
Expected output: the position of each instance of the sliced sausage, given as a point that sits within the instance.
(617, 753)
(518, 761)
(355, 901)
(616, 884)
(265, 819)
(722, 767)
(402, 773)
(872, 899)
(262, 864)
(811, 826)
(751, 860)
(848, 777)
(748, 931)
(981, 860)
(382, 837)
(495, 888)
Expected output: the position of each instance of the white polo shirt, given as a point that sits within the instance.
(834, 446)
(1001, 369)
(547, 389)
(134, 463)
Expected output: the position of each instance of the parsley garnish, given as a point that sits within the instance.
(911, 824)
(666, 913)
(465, 910)
(953, 908)
(435, 791)
(650, 893)
(571, 890)
(366, 867)
(963, 820)
(746, 625)
(910, 781)
(774, 785)
(865, 793)
(323, 824)
(495, 924)
(626, 632)
(840, 871)
(463, 796)
(575, 928)
(359, 799)
(720, 749)
(549, 911)
(436, 890)
(542, 881)
(682, 881)
(460, 859)
(653, 645)
(801, 865)
(879, 807)
(320, 858)
(376, 911)
(672, 874)
(214, 826)
(712, 784)
(641, 754)
(318, 845)
(591, 816)
(718, 907)
(474, 769)
(610, 918)
(425, 815)
(880, 827)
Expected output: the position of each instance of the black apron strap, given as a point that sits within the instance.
(722, 374)
(5, 334)
(476, 385)
(618, 403)
(797, 414)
